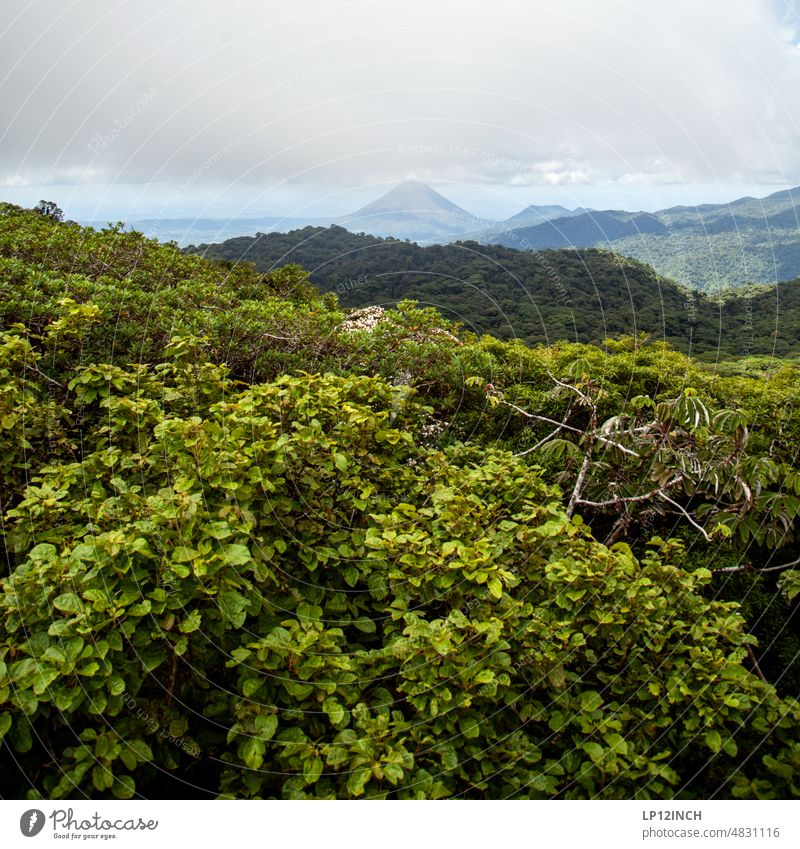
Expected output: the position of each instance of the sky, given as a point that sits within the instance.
(240, 108)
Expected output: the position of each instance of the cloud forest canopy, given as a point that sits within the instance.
(256, 548)
(541, 296)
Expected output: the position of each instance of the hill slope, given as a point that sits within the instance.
(712, 246)
(540, 296)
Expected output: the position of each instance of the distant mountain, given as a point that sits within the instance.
(588, 229)
(411, 210)
(716, 245)
(414, 211)
(709, 247)
(533, 215)
(712, 246)
(541, 296)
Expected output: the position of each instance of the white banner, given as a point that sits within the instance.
(398, 825)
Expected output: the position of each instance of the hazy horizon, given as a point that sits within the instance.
(236, 111)
(481, 202)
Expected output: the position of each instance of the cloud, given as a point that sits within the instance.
(508, 93)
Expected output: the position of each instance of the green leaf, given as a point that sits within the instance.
(252, 752)
(142, 751)
(183, 554)
(713, 741)
(44, 551)
(470, 728)
(617, 743)
(312, 770)
(266, 724)
(68, 603)
(336, 713)
(591, 701)
(250, 686)
(594, 750)
(116, 685)
(232, 605)
(102, 777)
(357, 781)
(394, 773)
(557, 677)
(236, 555)
(55, 654)
(124, 787)
(140, 609)
(218, 530)
(190, 623)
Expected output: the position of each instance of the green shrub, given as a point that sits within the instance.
(289, 584)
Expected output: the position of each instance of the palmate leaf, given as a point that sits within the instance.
(691, 412)
(557, 449)
(730, 421)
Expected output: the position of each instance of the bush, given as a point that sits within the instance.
(286, 594)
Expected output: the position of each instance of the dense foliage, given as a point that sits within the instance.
(539, 297)
(257, 547)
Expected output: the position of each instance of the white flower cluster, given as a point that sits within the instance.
(369, 317)
(364, 319)
(432, 429)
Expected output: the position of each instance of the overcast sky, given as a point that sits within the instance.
(245, 107)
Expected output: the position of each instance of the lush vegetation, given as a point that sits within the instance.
(259, 547)
(539, 297)
(709, 247)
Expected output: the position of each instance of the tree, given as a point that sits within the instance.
(663, 462)
(50, 210)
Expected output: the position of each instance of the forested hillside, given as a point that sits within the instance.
(258, 546)
(708, 247)
(542, 296)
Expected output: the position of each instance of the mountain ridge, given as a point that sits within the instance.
(707, 247)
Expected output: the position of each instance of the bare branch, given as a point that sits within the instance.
(616, 445)
(560, 425)
(279, 338)
(580, 482)
(748, 567)
(612, 502)
(689, 518)
(756, 667)
(575, 389)
(782, 566)
(49, 379)
(540, 443)
(564, 426)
